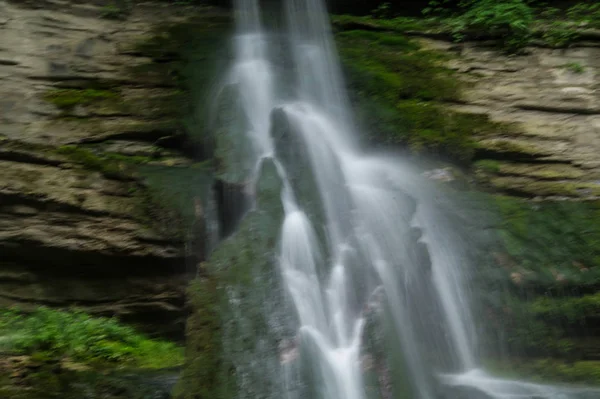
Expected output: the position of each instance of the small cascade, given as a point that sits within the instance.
(370, 242)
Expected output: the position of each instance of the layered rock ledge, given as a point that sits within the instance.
(81, 106)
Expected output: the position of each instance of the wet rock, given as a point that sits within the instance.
(549, 99)
(75, 227)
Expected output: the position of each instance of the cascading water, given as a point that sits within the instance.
(377, 243)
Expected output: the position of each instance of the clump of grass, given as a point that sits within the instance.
(81, 337)
(574, 67)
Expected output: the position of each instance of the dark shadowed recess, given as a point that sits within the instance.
(351, 6)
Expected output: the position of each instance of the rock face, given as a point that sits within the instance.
(552, 97)
(73, 230)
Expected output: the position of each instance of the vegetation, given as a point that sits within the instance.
(548, 370)
(120, 9)
(169, 196)
(540, 300)
(203, 363)
(47, 333)
(510, 20)
(115, 10)
(113, 166)
(67, 99)
(571, 310)
(187, 56)
(575, 67)
(399, 90)
(527, 228)
(488, 165)
(514, 23)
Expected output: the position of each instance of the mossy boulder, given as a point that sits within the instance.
(228, 301)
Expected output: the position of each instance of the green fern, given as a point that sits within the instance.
(84, 338)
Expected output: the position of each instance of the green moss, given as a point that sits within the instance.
(111, 167)
(389, 67)
(532, 187)
(537, 286)
(399, 24)
(531, 170)
(116, 9)
(56, 334)
(203, 361)
(512, 23)
(511, 146)
(574, 67)
(228, 303)
(399, 91)
(169, 195)
(567, 309)
(548, 370)
(488, 166)
(530, 228)
(380, 38)
(187, 56)
(67, 99)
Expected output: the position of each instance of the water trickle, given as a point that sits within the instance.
(377, 239)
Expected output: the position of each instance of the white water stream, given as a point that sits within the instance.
(370, 208)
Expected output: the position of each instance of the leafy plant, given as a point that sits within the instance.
(586, 14)
(510, 20)
(84, 338)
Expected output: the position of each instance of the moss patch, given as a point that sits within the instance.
(532, 187)
(187, 56)
(204, 357)
(370, 23)
(570, 309)
(548, 238)
(513, 25)
(537, 287)
(229, 301)
(399, 91)
(532, 170)
(169, 195)
(67, 99)
(113, 166)
(487, 166)
(548, 370)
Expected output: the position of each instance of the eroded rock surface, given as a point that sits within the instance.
(552, 98)
(72, 229)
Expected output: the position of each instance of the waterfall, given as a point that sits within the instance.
(377, 245)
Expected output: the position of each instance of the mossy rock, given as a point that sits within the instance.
(536, 171)
(53, 382)
(227, 301)
(67, 99)
(547, 370)
(400, 94)
(536, 286)
(532, 187)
